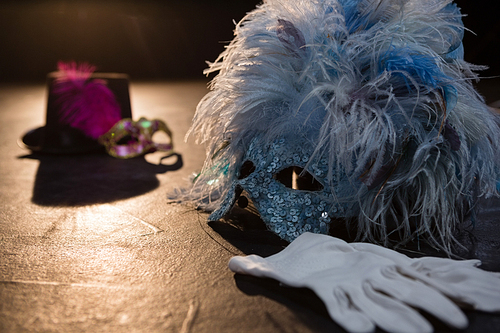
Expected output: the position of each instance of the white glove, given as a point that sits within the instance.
(365, 285)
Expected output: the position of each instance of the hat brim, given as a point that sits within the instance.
(69, 141)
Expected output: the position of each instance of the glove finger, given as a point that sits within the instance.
(251, 265)
(433, 264)
(389, 314)
(462, 283)
(473, 286)
(419, 295)
(343, 312)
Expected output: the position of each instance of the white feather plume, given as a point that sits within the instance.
(381, 88)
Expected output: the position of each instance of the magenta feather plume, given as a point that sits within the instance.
(84, 103)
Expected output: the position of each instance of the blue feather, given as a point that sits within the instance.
(422, 68)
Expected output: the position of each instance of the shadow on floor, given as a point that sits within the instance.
(75, 180)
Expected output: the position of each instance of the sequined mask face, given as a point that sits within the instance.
(290, 191)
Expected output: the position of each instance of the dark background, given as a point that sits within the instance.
(158, 39)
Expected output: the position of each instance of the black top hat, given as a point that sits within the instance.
(59, 138)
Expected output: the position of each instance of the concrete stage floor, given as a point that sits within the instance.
(88, 243)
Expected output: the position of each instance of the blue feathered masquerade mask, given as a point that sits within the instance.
(360, 110)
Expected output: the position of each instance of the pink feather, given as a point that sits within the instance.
(84, 103)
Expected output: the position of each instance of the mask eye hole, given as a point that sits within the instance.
(246, 169)
(297, 178)
(126, 140)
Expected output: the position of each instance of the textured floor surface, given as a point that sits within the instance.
(89, 243)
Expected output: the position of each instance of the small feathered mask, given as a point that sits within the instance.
(358, 110)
